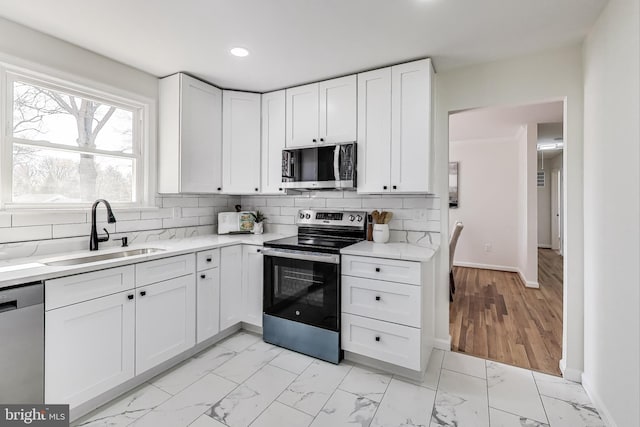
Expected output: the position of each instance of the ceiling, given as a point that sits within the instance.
(298, 41)
(503, 122)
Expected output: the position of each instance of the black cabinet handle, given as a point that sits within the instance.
(377, 269)
(314, 140)
(279, 189)
(377, 297)
(395, 187)
(203, 276)
(257, 189)
(130, 296)
(377, 339)
(208, 259)
(321, 139)
(384, 187)
(219, 188)
(258, 250)
(143, 293)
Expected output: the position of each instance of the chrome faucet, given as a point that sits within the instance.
(94, 239)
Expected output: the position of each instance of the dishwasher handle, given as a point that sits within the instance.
(21, 296)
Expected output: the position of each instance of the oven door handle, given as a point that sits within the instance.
(316, 257)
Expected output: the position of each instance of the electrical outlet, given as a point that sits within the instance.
(488, 247)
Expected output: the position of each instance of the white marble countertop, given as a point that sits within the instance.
(402, 251)
(31, 269)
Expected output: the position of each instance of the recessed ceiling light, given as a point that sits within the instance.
(239, 51)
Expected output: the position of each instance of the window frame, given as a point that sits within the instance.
(141, 130)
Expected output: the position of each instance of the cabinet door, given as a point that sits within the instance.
(273, 141)
(165, 321)
(89, 348)
(374, 131)
(338, 110)
(252, 273)
(302, 115)
(411, 126)
(201, 137)
(241, 142)
(208, 304)
(231, 310)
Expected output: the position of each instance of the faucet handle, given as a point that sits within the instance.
(104, 239)
(125, 241)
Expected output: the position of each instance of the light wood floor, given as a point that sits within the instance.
(495, 317)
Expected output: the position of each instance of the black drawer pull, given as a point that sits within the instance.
(130, 296)
(219, 188)
(203, 276)
(377, 269)
(377, 297)
(258, 250)
(395, 187)
(377, 339)
(384, 187)
(209, 259)
(143, 293)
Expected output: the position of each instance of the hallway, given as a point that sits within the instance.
(494, 316)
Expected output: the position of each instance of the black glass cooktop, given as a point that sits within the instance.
(312, 243)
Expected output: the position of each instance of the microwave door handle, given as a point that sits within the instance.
(336, 163)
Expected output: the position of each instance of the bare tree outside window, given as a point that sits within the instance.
(70, 149)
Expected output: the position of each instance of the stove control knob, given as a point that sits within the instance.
(301, 216)
(359, 218)
(307, 216)
(351, 217)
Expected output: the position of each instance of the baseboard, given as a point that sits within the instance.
(597, 402)
(570, 374)
(442, 343)
(485, 266)
(528, 283)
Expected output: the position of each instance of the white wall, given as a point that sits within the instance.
(548, 76)
(32, 46)
(612, 213)
(488, 194)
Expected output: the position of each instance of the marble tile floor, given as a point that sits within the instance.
(243, 381)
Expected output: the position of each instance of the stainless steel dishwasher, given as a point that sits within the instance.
(22, 344)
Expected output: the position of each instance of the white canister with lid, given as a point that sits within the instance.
(381, 233)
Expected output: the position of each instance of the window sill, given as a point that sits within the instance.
(66, 209)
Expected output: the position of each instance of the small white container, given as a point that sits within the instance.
(381, 233)
(258, 227)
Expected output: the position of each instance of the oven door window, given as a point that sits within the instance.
(303, 291)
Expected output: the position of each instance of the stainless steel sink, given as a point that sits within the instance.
(100, 257)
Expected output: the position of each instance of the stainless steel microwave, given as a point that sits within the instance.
(320, 167)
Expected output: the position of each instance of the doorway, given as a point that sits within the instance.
(508, 303)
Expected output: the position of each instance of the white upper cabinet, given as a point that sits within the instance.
(273, 141)
(322, 112)
(302, 115)
(394, 129)
(240, 142)
(190, 136)
(338, 110)
(374, 131)
(411, 118)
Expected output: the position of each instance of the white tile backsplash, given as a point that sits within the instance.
(416, 218)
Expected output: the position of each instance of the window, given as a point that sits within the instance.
(70, 147)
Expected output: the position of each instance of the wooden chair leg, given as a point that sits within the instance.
(452, 286)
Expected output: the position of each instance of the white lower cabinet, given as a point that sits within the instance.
(252, 278)
(165, 321)
(387, 310)
(231, 304)
(89, 348)
(380, 340)
(208, 304)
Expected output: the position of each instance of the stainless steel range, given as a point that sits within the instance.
(302, 283)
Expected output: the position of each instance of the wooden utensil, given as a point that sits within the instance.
(387, 217)
(376, 216)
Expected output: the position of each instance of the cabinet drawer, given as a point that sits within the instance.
(389, 301)
(164, 269)
(208, 259)
(83, 287)
(380, 340)
(382, 269)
